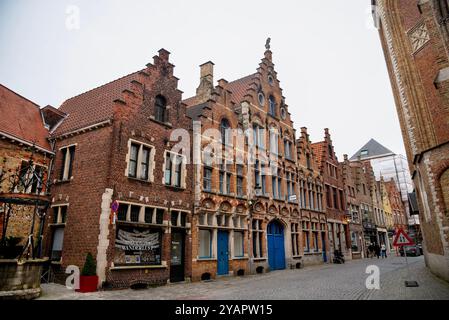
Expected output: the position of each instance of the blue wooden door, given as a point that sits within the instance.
(276, 250)
(222, 253)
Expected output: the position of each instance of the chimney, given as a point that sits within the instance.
(206, 86)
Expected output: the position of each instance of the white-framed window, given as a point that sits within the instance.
(60, 214)
(137, 213)
(238, 244)
(57, 244)
(258, 136)
(178, 218)
(205, 247)
(258, 237)
(68, 156)
(295, 239)
(274, 142)
(287, 149)
(225, 177)
(306, 235)
(174, 170)
(207, 179)
(140, 160)
(239, 180)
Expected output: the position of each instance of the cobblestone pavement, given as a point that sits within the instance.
(345, 282)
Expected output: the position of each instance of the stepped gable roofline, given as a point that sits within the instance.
(22, 119)
(371, 150)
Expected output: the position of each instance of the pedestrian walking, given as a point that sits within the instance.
(384, 251)
(377, 250)
(371, 250)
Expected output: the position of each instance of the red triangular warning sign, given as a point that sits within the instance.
(402, 239)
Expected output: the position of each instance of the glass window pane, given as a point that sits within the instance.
(238, 244)
(205, 244)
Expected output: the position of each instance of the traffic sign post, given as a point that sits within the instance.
(402, 239)
(114, 209)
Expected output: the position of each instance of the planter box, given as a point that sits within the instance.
(20, 279)
(88, 284)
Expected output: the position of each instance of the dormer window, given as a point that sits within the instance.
(261, 99)
(225, 132)
(272, 110)
(160, 109)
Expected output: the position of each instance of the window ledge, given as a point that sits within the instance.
(139, 180)
(165, 124)
(297, 257)
(206, 259)
(55, 225)
(313, 253)
(259, 259)
(138, 267)
(58, 181)
(139, 224)
(175, 188)
(240, 258)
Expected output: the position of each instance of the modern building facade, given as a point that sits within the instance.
(415, 40)
(388, 165)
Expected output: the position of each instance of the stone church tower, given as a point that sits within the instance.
(414, 36)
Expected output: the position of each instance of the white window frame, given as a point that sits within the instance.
(67, 164)
(151, 163)
(173, 168)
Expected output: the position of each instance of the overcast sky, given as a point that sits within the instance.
(327, 55)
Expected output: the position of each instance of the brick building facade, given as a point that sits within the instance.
(246, 217)
(24, 129)
(351, 177)
(115, 144)
(397, 206)
(414, 35)
(311, 196)
(337, 218)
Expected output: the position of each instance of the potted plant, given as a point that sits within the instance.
(89, 278)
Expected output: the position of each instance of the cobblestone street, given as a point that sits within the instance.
(317, 282)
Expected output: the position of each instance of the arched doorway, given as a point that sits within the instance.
(276, 250)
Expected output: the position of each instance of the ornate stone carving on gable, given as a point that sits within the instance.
(208, 204)
(419, 36)
(272, 210)
(225, 206)
(258, 207)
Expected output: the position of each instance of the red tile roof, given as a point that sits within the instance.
(192, 101)
(22, 119)
(93, 106)
(239, 87)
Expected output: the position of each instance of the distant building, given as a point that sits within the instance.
(387, 164)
